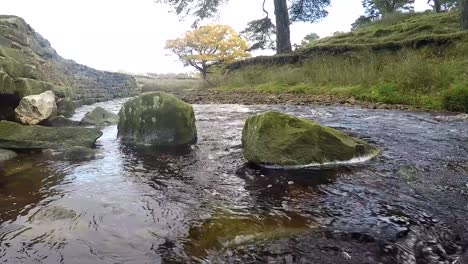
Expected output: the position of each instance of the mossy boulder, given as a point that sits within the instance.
(79, 153)
(278, 139)
(65, 107)
(99, 117)
(16, 136)
(158, 119)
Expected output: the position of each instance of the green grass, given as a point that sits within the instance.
(168, 85)
(400, 28)
(413, 60)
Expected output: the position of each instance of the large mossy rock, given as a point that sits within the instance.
(16, 136)
(158, 119)
(34, 109)
(99, 117)
(278, 139)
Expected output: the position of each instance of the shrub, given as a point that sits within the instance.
(456, 99)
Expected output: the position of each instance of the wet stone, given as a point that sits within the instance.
(6, 154)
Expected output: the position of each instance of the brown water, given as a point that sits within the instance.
(206, 205)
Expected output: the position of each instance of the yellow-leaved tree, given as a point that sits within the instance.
(209, 45)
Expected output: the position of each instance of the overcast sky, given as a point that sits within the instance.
(130, 35)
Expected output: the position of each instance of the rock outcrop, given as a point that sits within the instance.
(100, 117)
(29, 65)
(34, 109)
(278, 139)
(158, 119)
(16, 136)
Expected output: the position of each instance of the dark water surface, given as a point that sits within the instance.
(409, 205)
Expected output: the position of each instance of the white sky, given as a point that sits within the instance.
(130, 35)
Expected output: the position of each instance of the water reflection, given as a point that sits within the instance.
(25, 182)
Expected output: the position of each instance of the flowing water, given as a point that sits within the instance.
(205, 204)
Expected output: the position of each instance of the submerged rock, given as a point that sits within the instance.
(36, 108)
(79, 154)
(99, 117)
(53, 213)
(278, 139)
(409, 173)
(158, 119)
(6, 154)
(16, 136)
(65, 107)
(230, 231)
(452, 118)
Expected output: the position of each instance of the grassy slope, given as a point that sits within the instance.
(413, 59)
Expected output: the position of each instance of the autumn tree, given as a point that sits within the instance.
(208, 45)
(259, 31)
(379, 8)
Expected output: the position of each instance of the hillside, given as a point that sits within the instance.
(417, 59)
(29, 65)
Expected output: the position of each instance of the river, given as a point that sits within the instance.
(206, 205)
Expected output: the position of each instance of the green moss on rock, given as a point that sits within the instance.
(278, 139)
(158, 119)
(65, 107)
(100, 116)
(16, 136)
(229, 231)
(7, 84)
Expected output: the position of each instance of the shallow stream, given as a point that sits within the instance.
(205, 204)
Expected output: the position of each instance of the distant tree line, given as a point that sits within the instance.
(263, 33)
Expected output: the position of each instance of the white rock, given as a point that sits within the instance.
(36, 108)
(6, 154)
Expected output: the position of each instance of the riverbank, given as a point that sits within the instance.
(419, 60)
(215, 96)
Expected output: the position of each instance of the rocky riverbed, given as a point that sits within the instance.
(213, 96)
(206, 205)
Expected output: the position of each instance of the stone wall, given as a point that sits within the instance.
(29, 65)
(91, 86)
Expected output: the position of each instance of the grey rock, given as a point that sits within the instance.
(100, 117)
(6, 154)
(79, 154)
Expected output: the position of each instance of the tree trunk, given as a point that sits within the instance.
(465, 14)
(204, 73)
(437, 6)
(204, 70)
(283, 35)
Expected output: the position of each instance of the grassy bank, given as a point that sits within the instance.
(419, 60)
(149, 84)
